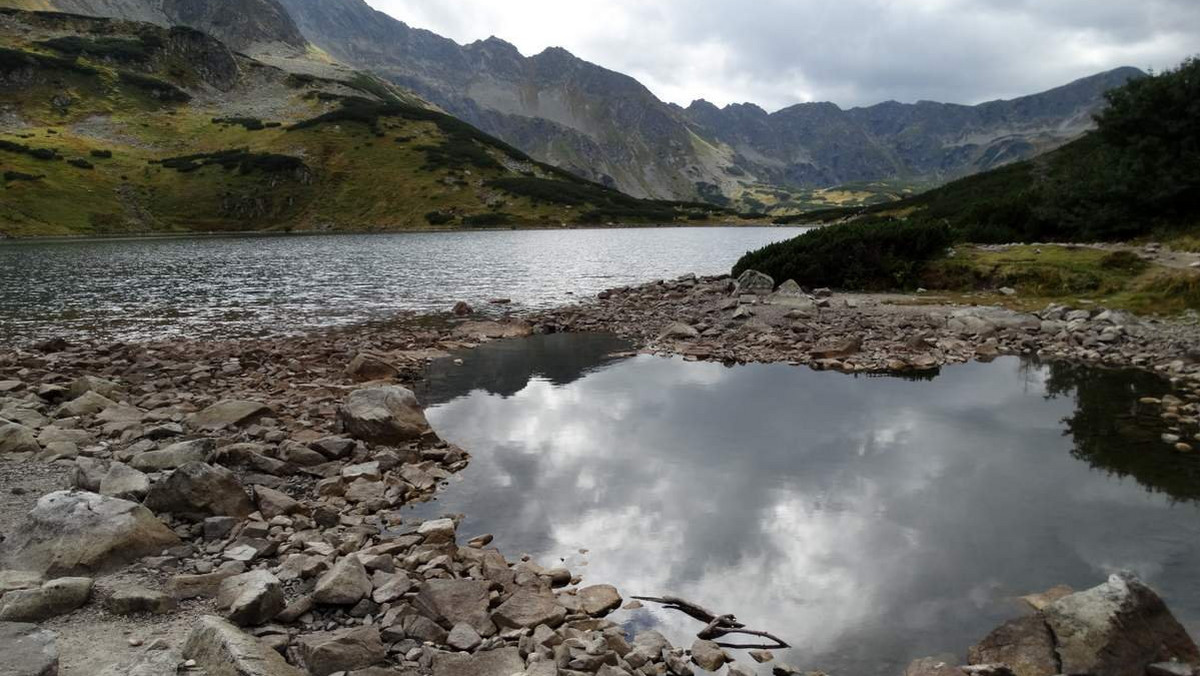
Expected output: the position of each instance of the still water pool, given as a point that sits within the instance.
(867, 521)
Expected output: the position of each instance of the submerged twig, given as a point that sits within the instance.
(717, 626)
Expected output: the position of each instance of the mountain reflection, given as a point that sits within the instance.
(865, 520)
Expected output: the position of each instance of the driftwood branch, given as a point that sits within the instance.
(716, 626)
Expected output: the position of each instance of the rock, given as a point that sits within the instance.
(1040, 601)
(198, 489)
(89, 403)
(464, 637)
(761, 656)
(437, 531)
(366, 366)
(26, 650)
(16, 438)
(273, 503)
(221, 649)
(383, 415)
(933, 666)
(1025, 645)
(174, 456)
(252, 598)
(54, 598)
(708, 655)
(345, 584)
(232, 413)
(206, 585)
(133, 600)
(493, 330)
(1120, 627)
(462, 309)
(679, 330)
(599, 600)
(325, 654)
(502, 662)
(125, 482)
(1172, 669)
(845, 348)
(85, 384)
(12, 580)
(527, 609)
(450, 602)
(752, 281)
(76, 532)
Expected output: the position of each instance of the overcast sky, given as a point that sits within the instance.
(853, 52)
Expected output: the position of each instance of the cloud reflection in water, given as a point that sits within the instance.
(866, 520)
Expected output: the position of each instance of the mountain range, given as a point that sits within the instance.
(607, 127)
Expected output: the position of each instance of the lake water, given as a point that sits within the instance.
(254, 285)
(866, 520)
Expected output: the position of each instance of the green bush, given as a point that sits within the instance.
(439, 218)
(12, 60)
(248, 123)
(159, 89)
(488, 220)
(22, 149)
(102, 154)
(128, 50)
(80, 163)
(21, 176)
(239, 158)
(871, 255)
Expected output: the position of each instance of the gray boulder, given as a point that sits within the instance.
(252, 598)
(173, 456)
(123, 481)
(85, 384)
(527, 609)
(230, 413)
(71, 532)
(502, 662)
(26, 650)
(366, 367)
(383, 415)
(345, 584)
(599, 600)
(16, 438)
(89, 403)
(450, 602)
(221, 649)
(134, 600)
(346, 650)
(708, 655)
(1024, 644)
(679, 331)
(198, 489)
(1120, 627)
(752, 281)
(54, 598)
(273, 503)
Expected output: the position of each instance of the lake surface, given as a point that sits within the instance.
(866, 520)
(254, 285)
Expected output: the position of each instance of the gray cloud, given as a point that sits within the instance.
(854, 52)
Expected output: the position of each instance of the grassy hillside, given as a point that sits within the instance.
(110, 127)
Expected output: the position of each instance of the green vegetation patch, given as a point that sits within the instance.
(21, 176)
(15, 60)
(125, 50)
(247, 123)
(488, 220)
(240, 158)
(35, 153)
(872, 256)
(159, 89)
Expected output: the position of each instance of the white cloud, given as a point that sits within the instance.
(855, 52)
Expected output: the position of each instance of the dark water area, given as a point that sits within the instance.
(866, 520)
(250, 286)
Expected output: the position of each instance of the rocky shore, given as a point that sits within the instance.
(188, 507)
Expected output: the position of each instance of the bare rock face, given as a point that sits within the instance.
(221, 649)
(198, 489)
(72, 532)
(26, 650)
(383, 415)
(1118, 628)
(1025, 645)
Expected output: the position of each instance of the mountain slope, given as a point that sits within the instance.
(608, 127)
(110, 126)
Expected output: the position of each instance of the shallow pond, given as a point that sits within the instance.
(254, 285)
(866, 520)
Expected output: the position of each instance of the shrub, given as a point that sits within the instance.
(102, 154)
(879, 254)
(21, 176)
(81, 163)
(248, 123)
(159, 89)
(22, 149)
(128, 50)
(439, 218)
(240, 158)
(12, 60)
(488, 220)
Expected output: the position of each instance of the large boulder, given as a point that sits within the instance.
(502, 662)
(16, 438)
(26, 650)
(125, 482)
(197, 490)
(366, 367)
(221, 649)
(84, 384)
(1024, 644)
(383, 415)
(173, 456)
(89, 403)
(346, 650)
(754, 282)
(599, 600)
(71, 532)
(1120, 627)
(449, 602)
(252, 598)
(231, 413)
(527, 609)
(345, 584)
(56, 597)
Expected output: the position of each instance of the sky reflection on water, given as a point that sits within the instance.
(866, 520)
